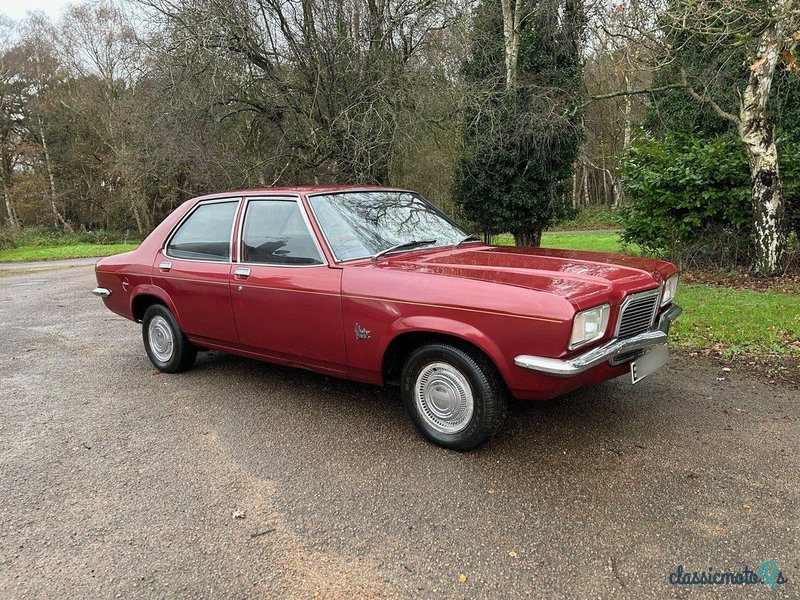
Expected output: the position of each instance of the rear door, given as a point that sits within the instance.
(194, 269)
(286, 299)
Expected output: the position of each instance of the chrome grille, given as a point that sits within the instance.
(636, 314)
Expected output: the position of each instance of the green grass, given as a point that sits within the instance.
(79, 250)
(735, 321)
(595, 242)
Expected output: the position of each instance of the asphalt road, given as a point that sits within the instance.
(240, 479)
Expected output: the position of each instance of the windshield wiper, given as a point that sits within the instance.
(470, 238)
(403, 246)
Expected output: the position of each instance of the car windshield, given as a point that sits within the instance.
(361, 224)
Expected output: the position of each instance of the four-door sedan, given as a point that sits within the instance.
(377, 285)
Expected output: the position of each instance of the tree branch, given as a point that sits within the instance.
(708, 101)
(653, 90)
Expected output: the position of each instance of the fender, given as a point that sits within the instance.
(148, 289)
(449, 327)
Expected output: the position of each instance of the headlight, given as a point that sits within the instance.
(670, 287)
(589, 325)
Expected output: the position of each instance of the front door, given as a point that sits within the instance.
(194, 269)
(286, 300)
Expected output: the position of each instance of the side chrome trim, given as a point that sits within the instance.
(601, 354)
(101, 292)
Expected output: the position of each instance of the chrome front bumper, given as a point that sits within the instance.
(606, 352)
(101, 292)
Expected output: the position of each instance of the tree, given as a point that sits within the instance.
(756, 37)
(332, 78)
(521, 124)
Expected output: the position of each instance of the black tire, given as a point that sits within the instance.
(487, 389)
(182, 353)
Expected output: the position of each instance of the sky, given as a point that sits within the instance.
(16, 9)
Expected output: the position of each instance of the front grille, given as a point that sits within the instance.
(636, 314)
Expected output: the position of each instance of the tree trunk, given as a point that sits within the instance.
(531, 238)
(575, 190)
(5, 176)
(616, 189)
(758, 137)
(626, 139)
(511, 23)
(12, 215)
(58, 218)
(137, 218)
(585, 180)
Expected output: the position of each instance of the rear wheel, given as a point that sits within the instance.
(166, 346)
(455, 398)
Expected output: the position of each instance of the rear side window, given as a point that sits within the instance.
(206, 234)
(275, 233)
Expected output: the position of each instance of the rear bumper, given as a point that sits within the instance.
(602, 354)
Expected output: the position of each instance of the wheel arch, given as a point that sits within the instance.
(145, 296)
(408, 336)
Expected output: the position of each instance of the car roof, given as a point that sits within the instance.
(302, 189)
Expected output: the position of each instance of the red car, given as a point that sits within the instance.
(377, 285)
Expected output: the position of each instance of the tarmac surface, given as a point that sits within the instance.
(240, 479)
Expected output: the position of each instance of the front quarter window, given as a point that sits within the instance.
(361, 224)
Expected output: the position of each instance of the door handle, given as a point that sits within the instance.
(165, 266)
(241, 273)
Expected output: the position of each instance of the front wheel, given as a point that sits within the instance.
(455, 398)
(166, 346)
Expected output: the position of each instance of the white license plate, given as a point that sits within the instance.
(649, 362)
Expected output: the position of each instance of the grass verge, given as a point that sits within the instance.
(603, 241)
(80, 250)
(734, 322)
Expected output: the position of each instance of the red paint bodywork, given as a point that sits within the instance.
(506, 301)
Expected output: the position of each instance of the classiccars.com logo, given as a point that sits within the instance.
(768, 574)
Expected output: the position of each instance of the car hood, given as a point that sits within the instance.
(581, 277)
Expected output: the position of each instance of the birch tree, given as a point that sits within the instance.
(512, 21)
(759, 35)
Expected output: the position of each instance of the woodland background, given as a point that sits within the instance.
(681, 116)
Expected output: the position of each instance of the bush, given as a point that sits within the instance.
(589, 217)
(690, 198)
(49, 236)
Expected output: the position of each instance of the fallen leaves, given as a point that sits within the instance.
(462, 578)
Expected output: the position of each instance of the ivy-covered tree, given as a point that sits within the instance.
(522, 121)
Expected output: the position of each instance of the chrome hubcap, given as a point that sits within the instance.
(444, 397)
(159, 334)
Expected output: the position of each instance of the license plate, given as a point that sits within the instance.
(648, 363)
